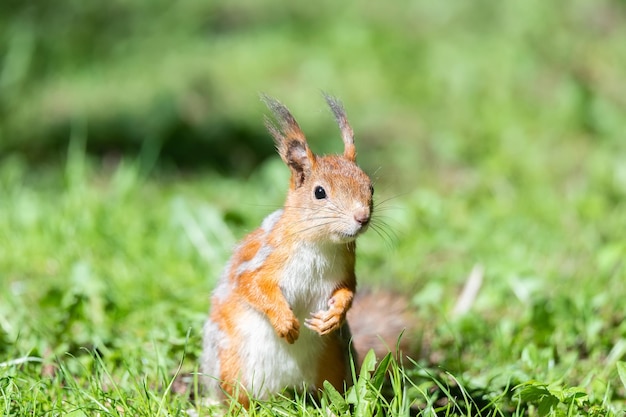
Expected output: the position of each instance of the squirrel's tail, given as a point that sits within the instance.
(384, 321)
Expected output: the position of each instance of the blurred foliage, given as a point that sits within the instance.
(450, 83)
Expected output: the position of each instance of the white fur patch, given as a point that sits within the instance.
(256, 262)
(213, 340)
(270, 364)
(310, 277)
(270, 221)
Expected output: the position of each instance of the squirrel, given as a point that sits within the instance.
(278, 313)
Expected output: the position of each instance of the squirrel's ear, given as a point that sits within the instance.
(290, 141)
(346, 131)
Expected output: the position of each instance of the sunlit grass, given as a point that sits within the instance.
(107, 274)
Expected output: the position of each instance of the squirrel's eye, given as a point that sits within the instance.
(320, 193)
(371, 189)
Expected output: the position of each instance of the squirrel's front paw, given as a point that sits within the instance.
(288, 328)
(325, 321)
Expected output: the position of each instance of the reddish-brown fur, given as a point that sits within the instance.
(333, 364)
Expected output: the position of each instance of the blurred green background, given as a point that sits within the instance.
(429, 87)
(133, 155)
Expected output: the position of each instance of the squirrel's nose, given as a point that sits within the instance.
(362, 216)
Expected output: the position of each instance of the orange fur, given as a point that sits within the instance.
(250, 247)
(333, 363)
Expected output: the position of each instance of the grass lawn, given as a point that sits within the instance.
(106, 274)
(495, 134)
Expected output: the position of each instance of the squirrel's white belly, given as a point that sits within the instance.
(310, 278)
(272, 364)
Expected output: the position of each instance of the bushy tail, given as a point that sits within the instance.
(384, 321)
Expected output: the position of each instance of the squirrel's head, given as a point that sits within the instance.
(330, 197)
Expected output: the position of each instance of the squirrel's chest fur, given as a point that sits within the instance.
(307, 275)
(309, 278)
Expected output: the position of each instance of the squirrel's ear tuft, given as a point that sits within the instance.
(290, 141)
(346, 131)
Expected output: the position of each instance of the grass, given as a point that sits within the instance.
(133, 157)
(108, 267)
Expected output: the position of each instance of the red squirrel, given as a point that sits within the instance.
(278, 314)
